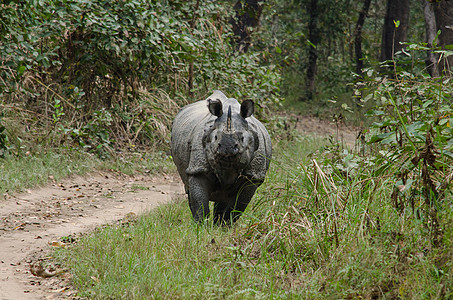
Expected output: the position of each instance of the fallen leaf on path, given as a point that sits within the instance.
(39, 270)
(58, 244)
(129, 217)
(61, 290)
(20, 227)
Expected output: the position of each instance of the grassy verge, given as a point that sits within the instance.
(314, 230)
(18, 173)
(27, 171)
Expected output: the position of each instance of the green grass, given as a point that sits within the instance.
(142, 162)
(20, 172)
(311, 232)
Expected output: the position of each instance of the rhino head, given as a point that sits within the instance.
(230, 144)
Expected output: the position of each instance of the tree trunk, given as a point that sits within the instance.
(192, 27)
(358, 37)
(313, 37)
(443, 11)
(431, 31)
(247, 17)
(397, 10)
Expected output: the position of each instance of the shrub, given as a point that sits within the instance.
(80, 57)
(413, 128)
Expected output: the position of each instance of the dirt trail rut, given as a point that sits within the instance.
(33, 222)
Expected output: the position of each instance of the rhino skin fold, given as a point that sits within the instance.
(222, 153)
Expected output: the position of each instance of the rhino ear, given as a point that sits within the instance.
(215, 107)
(247, 108)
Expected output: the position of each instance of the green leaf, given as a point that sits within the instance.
(21, 70)
(384, 138)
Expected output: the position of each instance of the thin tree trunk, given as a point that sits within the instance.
(192, 27)
(313, 37)
(431, 31)
(397, 10)
(443, 11)
(247, 17)
(358, 37)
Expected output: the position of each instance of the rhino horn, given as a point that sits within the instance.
(229, 122)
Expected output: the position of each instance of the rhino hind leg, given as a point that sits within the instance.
(199, 191)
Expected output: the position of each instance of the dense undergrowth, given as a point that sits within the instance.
(108, 75)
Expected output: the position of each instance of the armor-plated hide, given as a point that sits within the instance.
(222, 154)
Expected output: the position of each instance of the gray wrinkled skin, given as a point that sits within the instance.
(220, 158)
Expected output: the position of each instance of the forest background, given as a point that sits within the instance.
(103, 75)
(107, 77)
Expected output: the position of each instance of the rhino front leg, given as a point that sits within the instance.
(221, 210)
(245, 195)
(227, 214)
(199, 191)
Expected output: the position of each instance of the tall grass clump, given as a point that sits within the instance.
(332, 231)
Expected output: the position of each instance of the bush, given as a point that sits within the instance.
(70, 60)
(413, 128)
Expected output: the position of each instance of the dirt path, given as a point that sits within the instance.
(33, 222)
(345, 135)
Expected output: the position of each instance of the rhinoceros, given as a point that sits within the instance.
(222, 153)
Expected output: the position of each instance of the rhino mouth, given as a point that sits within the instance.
(227, 161)
(227, 176)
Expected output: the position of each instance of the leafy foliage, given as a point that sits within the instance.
(413, 127)
(75, 60)
(4, 143)
(284, 35)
